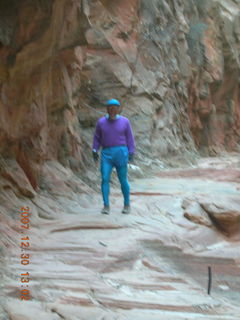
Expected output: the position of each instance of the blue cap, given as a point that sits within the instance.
(113, 102)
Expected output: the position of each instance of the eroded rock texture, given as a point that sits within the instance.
(174, 65)
(151, 264)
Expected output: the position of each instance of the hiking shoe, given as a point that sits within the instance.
(126, 209)
(105, 210)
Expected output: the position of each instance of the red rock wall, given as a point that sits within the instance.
(175, 68)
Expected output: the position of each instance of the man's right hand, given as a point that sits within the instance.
(95, 156)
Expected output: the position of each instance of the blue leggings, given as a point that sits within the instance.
(114, 157)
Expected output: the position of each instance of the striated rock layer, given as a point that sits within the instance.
(174, 66)
(151, 264)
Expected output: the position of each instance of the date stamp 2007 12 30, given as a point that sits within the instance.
(25, 257)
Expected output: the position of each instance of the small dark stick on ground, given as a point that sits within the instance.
(209, 279)
(102, 243)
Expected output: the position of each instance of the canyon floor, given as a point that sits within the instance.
(149, 265)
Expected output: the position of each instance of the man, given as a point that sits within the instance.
(114, 134)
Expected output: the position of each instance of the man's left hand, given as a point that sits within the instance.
(130, 157)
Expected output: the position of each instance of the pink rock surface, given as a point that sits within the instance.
(152, 263)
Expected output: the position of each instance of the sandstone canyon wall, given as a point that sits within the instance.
(173, 64)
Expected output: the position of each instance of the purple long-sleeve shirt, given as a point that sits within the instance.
(109, 133)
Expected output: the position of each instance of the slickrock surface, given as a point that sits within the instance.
(151, 264)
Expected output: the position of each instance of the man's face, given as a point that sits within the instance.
(112, 111)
